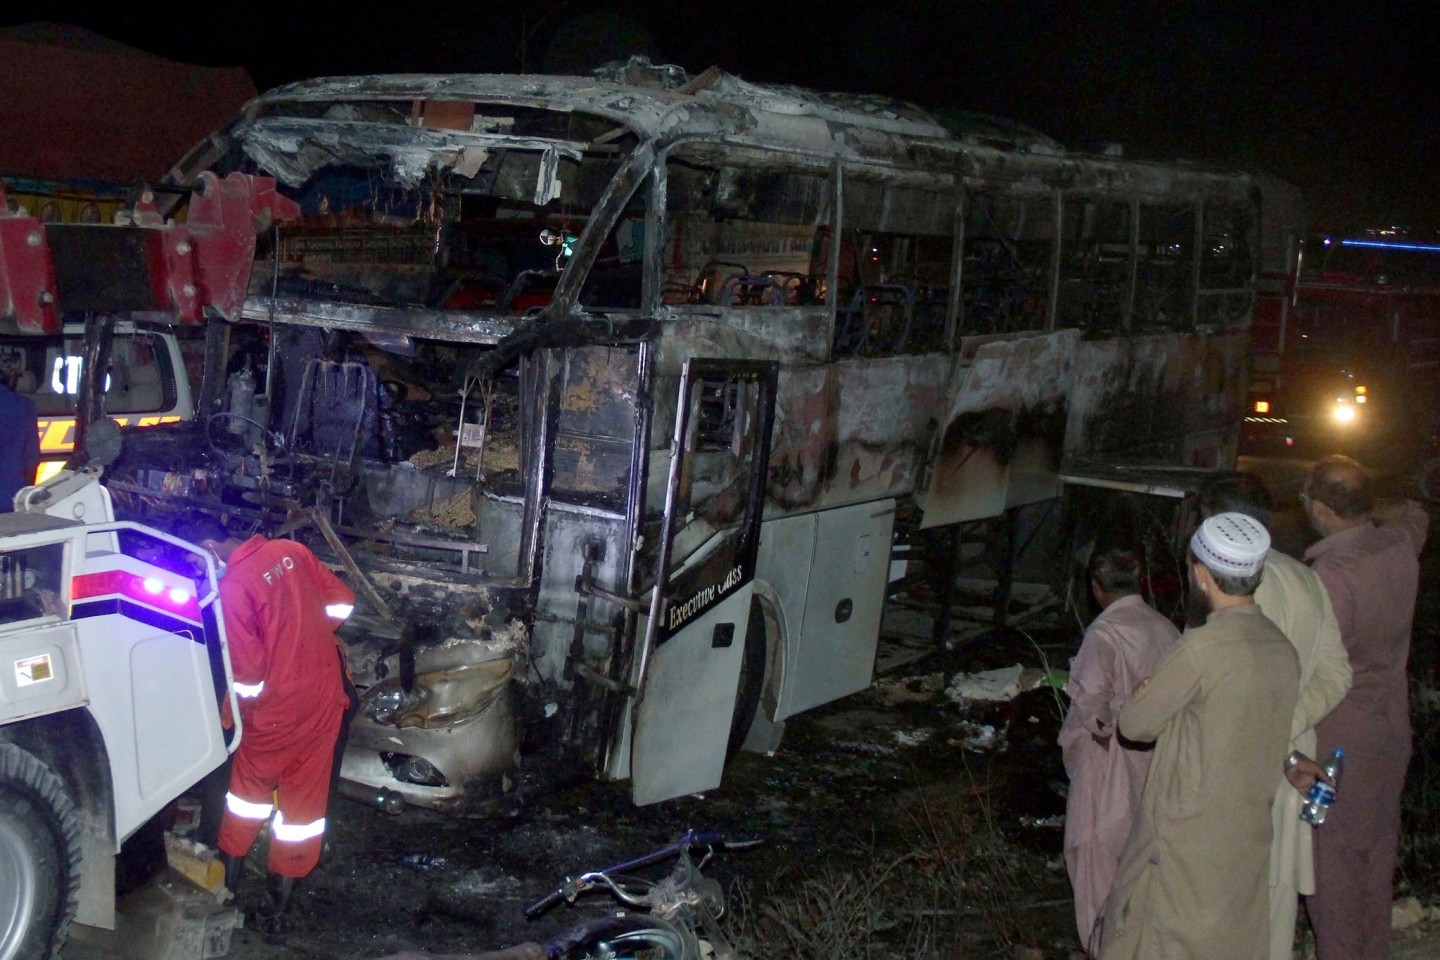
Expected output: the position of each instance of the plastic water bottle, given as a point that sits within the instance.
(1322, 795)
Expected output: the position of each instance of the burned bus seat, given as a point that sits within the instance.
(529, 290)
(338, 410)
(877, 321)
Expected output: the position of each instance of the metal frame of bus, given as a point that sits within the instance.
(985, 426)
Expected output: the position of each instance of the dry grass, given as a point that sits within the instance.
(947, 884)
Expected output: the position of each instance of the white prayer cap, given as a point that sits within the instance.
(1231, 544)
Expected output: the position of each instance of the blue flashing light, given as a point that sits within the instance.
(1392, 245)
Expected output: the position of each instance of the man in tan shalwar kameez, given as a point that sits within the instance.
(1123, 646)
(1194, 883)
(1292, 597)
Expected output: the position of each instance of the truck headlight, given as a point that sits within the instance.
(1344, 413)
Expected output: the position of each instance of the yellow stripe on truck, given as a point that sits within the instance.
(58, 436)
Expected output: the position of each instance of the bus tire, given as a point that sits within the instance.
(752, 680)
(39, 857)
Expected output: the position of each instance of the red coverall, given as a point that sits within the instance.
(281, 608)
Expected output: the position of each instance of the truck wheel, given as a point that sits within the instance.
(39, 858)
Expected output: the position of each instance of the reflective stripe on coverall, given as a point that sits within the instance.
(281, 608)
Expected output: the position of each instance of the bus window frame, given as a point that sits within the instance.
(660, 200)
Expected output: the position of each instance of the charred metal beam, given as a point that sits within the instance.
(410, 540)
(459, 326)
(212, 379)
(955, 307)
(832, 268)
(584, 585)
(362, 582)
(90, 404)
(1052, 283)
(1133, 271)
(600, 680)
(621, 659)
(1195, 265)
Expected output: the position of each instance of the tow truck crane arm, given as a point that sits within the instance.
(145, 264)
(114, 660)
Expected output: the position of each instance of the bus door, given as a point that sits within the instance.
(688, 661)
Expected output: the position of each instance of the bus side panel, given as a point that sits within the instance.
(785, 562)
(853, 431)
(1000, 446)
(834, 653)
(1168, 398)
(684, 710)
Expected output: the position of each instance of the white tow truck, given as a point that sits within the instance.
(112, 666)
(113, 663)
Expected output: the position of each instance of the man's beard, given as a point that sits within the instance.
(1197, 604)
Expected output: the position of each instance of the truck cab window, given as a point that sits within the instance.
(30, 585)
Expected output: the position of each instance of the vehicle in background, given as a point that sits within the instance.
(114, 669)
(1351, 361)
(620, 397)
(145, 382)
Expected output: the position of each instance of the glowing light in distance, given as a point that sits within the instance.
(1361, 390)
(1361, 399)
(1344, 413)
(1262, 406)
(1392, 245)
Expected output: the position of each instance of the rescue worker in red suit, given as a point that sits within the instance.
(281, 608)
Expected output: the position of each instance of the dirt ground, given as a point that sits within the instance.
(896, 822)
(897, 772)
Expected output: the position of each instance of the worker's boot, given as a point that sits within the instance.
(234, 867)
(270, 913)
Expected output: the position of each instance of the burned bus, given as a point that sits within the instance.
(614, 395)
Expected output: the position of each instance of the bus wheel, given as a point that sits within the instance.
(39, 857)
(752, 680)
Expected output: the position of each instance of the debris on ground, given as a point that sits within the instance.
(195, 862)
(1002, 684)
(1406, 913)
(917, 689)
(976, 736)
(911, 738)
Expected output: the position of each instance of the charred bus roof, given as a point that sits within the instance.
(423, 122)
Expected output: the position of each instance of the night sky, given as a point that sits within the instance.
(1342, 99)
